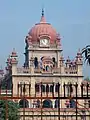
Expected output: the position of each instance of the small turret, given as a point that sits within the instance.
(58, 41)
(68, 62)
(79, 58)
(14, 61)
(79, 62)
(1, 72)
(8, 62)
(32, 65)
(62, 64)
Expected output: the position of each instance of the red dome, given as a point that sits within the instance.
(43, 28)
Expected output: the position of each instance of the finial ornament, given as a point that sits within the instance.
(13, 49)
(43, 20)
(42, 12)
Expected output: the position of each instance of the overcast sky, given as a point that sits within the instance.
(71, 18)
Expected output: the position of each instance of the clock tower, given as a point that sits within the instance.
(42, 41)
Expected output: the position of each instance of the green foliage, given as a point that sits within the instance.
(12, 110)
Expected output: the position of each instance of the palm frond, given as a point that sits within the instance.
(87, 46)
(83, 50)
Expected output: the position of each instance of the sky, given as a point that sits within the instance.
(70, 18)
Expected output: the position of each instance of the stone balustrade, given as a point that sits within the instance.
(53, 70)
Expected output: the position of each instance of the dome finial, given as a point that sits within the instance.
(42, 12)
(42, 17)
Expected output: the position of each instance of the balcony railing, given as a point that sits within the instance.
(51, 71)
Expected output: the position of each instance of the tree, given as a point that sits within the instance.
(10, 108)
(86, 51)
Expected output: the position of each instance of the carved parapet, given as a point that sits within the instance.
(38, 70)
(70, 70)
(23, 70)
(56, 70)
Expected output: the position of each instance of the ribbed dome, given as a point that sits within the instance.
(43, 28)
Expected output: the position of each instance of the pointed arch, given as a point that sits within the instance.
(47, 104)
(57, 88)
(51, 88)
(54, 61)
(57, 103)
(47, 88)
(23, 103)
(36, 62)
(43, 88)
(37, 88)
(89, 103)
(38, 104)
(47, 68)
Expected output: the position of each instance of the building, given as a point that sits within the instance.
(44, 73)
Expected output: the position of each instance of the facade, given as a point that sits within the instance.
(44, 74)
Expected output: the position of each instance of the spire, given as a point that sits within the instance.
(42, 17)
(14, 54)
(42, 12)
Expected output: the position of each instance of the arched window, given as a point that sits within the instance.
(24, 103)
(36, 62)
(51, 88)
(69, 89)
(54, 61)
(89, 103)
(47, 104)
(43, 88)
(47, 68)
(36, 87)
(47, 88)
(57, 88)
(22, 87)
(57, 103)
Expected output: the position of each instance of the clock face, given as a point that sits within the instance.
(44, 42)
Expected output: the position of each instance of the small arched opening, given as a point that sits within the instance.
(57, 103)
(57, 88)
(37, 87)
(51, 88)
(89, 103)
(43, 88)
(47, 88)
(23, 103)
(47, 104)
(38, 104)
(36, 62)
(54, 61)
(69, 89)
(47, 68)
